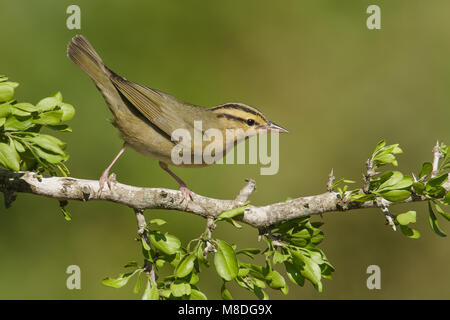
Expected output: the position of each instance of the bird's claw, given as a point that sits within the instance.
(187, 195)
(105, 178)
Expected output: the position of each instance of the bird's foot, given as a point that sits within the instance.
(186, 194)
(106, 178)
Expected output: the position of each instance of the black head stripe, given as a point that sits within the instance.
(238, 107)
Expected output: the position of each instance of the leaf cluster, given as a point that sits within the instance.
(22, 145)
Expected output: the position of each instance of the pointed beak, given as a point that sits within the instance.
(274, 127)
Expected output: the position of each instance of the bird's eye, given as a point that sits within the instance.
(250, 122)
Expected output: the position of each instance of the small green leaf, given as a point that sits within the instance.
(185, 266)
(5, 110)
(166, 243)
(226, 295)
(229, 214)
(66, 213)
(68, 111)
(406, 218)
(145, 244)
(8, 157)
(49, 117)
(294, 274)
(278, 257)
(308, 268)
(447, 198)
(426, 169)
(434, 223)
(6, 92)
(131, 264)
(150, 292)
(49, 143)
(197, 295)
(158, 222)
(47, 104)
(409, 232)
(60, 127)
(276, 280)
(419, 187)
(442, 212)
(138, 284)
(180, 289)
(120, 281)
(249, 252)
(14, 123)
(395, 195)
(25, 106)
(438, 181)
(225, 261)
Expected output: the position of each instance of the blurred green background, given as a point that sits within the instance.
(311, 66)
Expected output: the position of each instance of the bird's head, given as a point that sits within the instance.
(247, 118)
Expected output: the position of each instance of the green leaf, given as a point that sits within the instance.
(442, 212)
(49, 117)
(249, 252)
(58, 96)
(50, 157)
(395, 178)
(426, 169)
(25, 106)
(14, 123)
(180, 289)
(47, 104)
(409, 232)
(167, 243)
(197, 295)
(49, 143)
(137, 287)
(447, 198)
(6, 92)
(60, 127)
(278, 257)
(158, 222)
(185, 266)
(419, 187)
(406, 218)
(362, 197)
(66, 213)
(226, 295)
(434, 223)
(294, 274)
(395, 195)
(5, 110)
(131, 264)
(229, 214)
(276, 280)
(225, 261)
(150, 292)
(68, 111)
(145, 244)
(9, 158)
(438, 181)
(120, 281)
(309, 269)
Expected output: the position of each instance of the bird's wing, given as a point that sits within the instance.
(158, 107)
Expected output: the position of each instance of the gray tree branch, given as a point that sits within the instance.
(67, 188)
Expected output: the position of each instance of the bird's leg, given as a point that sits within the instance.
(187, 194)
(105, 175)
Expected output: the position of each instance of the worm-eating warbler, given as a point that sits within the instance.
(147, 117)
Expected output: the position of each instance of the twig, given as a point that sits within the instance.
(436, 156)
(331, 179)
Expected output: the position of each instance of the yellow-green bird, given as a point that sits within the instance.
(146, 118)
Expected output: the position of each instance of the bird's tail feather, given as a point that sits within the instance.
(84, 55)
